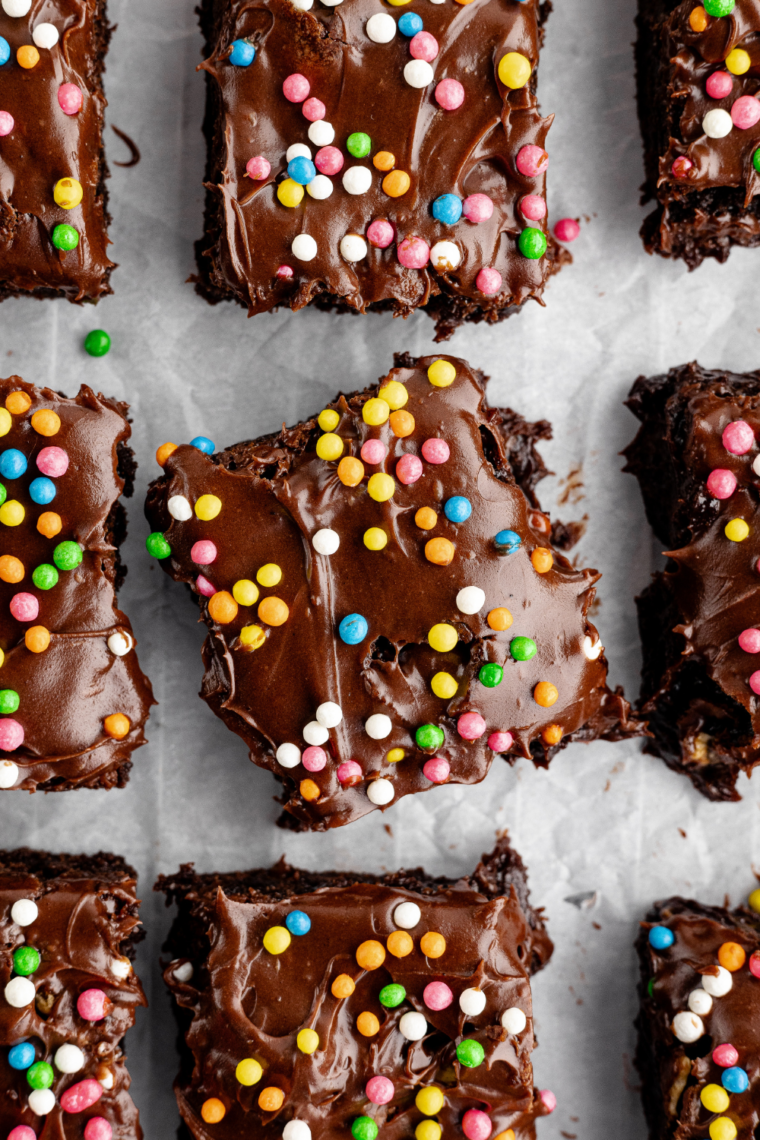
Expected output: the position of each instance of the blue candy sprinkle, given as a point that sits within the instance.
(660, 938)
(242, 54)
(42, 490)
(12, 463)
(298, 922)
(5, 51)
(302, 170)
(447, 209)
(457, 509)
(202, 443)
(508, 541)
(21, 1056)
(735, 1080)
(410, 23)
(353, 629)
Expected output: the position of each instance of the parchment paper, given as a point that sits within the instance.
(605, 818)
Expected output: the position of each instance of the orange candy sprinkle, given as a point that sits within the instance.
(28, 56)
(343, 986)
(426, 518)
(49, 524)
(367, 1024)
(384, 160)
(18, 402)
(542, 560)
(222, 607)
(552, 734)
(350, 471)
(402, 424)
(396, 183)
(117, 726)
(271, 1099)
(439, 551)
(400, 944)
(432, 944)
(371, 954)
(732, 956)
(508, 1135)
(46, 422)
(212, 1110)
(500, 618)
(11, 569)
(309, 790)
(37, 639)
(545, 694)
(164, 452)
(273, 611)
(698, 19)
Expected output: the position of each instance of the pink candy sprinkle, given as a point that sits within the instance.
(92, 1005)
(314, 109)
(681, 166)
(476, 1125)
(11, 734)
(373, 451)
(80, 1096)
(7, 123)
(471, 725)
(721, 483)
(566, 229)
(424, 46)
(531, 160)
(349, 773)
(754, 967)
(749, 640)
(409, 468)
(205, 587)
(436, 450)
(284, 271)
(413, 252)
(70, 98)
(380, 233)
(449, 94)
(258, 167)
(754, 682)
(548, 1099)
(500, 741)
(379, 1090)
(719, 84)
(745, 112)
(437, 995)
(53, 461)
(314, 758)
(436, 770)
(477, 208)
(725, 1056)
(738, 437)
(204, 552)
(22, 1132)
(296, 88)
(533, 207)
(24, 607)
(328, 160)
(488, 281)
(97, 1128)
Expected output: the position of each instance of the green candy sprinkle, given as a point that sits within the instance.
(756, 160)
(490, 675)
(67, 555)
(364, 1128)
(3, 494)
(46, 576)
(9, 702)
(428, 736)
(97, 342)
(392, 995)
(65, 238)
(522, 648)
(470, 1053)
(650, 987)
(157, 545)
(358, 144)
(532, 243)
(40, 1075)
(26, 959)
(719, 7)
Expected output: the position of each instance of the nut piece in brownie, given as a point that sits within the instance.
(53, 211)
(699, 1020)
(317, 1005)
(697, 460)
(698, 81)
(68, 994)
(385, 609)
(364, 157)
(73, 701)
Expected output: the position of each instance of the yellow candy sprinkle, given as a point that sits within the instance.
(269, 574)
(277, 939)
(68, 193)
(398, 3)
(2, 657)
(18, 402)
(428, 1130)
(397, 754)
(252, 636)
(443, 637)
(290, 193)
(245, 592)
(11, 513)
(208, 507)
(737, 530)
(514, 70)
(329, 446)
(375, 538)
(375, 412)
(381, 487)
(444, 686)
(714, 1098)
(395, 395)
(307, 1041)
(722, 1129)
(429, 1100)
(5, 421)
(738, 61)
(28, 56)
(328, 420)
(249, 1072)
(754, 900)
(441, 373)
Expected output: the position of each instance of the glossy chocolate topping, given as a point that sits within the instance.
(470, 150)
(245, 1002)
(276, 495)
(89, 670)
(45, 145)
(84, 930)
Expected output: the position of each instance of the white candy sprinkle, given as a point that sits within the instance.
(107, 1080)
(353, 247)
(296, 1130)
(41, 1101)
(19, 992)
(302, 5)
(357, 180)
(472, 1002)
(120, 644)
(717, 985)
(756, 465)
(700, 1002)
(16, 7)
(470, 600)
(717, 124)
(304, 247)
(407, 915)
(332, 3)
(445, 255)
(45, 36)
(179, 508)
(184, 972)
(514, 1020)
(297, 150)
(329, 714)
(321, 133)
(121, 968)
(688, 1027)
(592, 649)
(320, 187)
(418, 73)
(288, 755)
(326, 541)
(378, 726)
(413, 1026)
(8, 773)
(24, 912)
(380, 792)
(315, 733)
(69, 1059)
(381, 28)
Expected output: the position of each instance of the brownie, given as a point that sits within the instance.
(400, 641)
(699, 1021)
(68, 994)
(408, 1002)
(53, 201)
(696, 459)
(334, 85)
(76, 696)
(698, 72)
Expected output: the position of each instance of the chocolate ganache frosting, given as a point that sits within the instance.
(399, 617)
